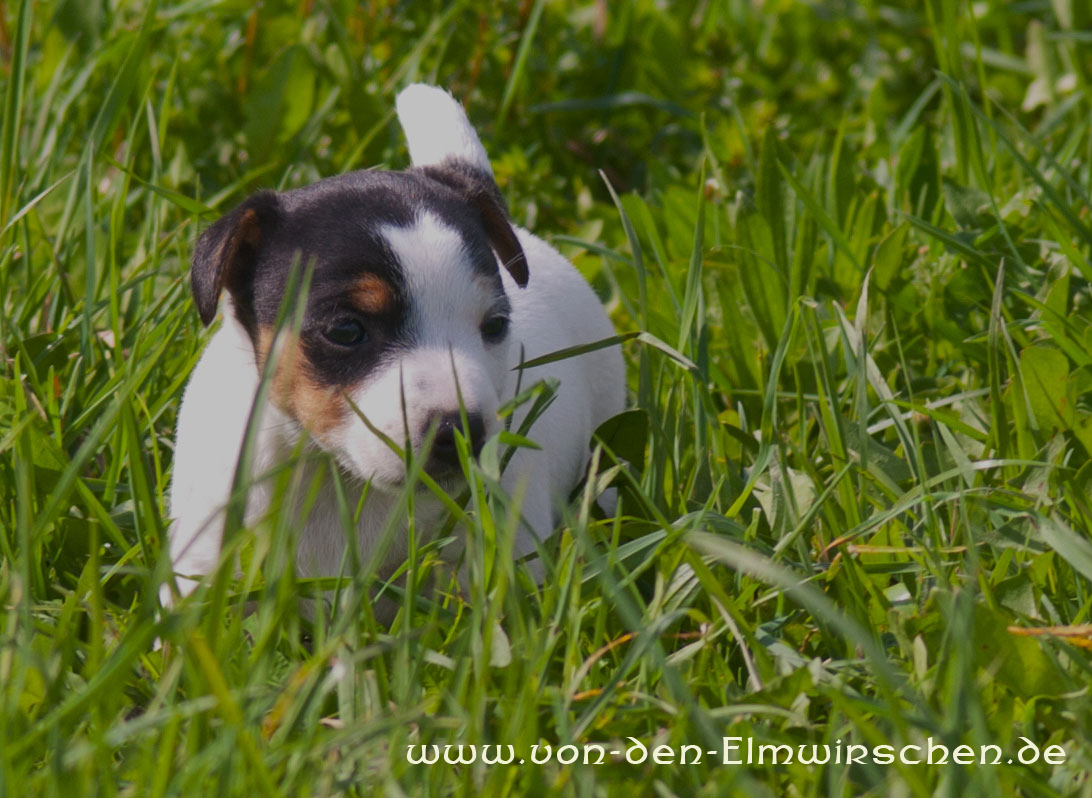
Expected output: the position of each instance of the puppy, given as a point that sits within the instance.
(422, 300)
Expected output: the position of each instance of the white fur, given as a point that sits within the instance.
(557, 309)
(436, 128)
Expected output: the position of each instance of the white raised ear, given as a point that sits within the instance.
(437, 129)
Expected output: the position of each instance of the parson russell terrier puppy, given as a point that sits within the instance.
(421, 292)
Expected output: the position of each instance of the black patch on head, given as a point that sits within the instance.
(332, 228)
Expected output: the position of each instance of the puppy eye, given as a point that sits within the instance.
(345, 332)
(494, 328)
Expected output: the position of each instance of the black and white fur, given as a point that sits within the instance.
(414, 272)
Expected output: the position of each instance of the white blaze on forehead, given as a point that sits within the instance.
(448, 297)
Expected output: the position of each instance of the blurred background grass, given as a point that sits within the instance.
(862, 473)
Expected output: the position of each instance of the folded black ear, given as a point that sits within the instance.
(502, 237)
(481, 193)
(225, 254)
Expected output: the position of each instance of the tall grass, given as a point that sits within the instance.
(848, 247)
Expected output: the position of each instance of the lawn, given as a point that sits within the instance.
(851, 242)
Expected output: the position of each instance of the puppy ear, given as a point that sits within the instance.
(480, 192)
(498, 227)
(225, 253)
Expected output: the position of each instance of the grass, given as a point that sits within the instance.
(854, 241)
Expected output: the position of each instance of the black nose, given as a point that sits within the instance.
(444, 450)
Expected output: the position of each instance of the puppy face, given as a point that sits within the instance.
(406, 312)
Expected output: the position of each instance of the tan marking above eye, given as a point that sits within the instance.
(318, 408)
(265, 343)
(372, 294)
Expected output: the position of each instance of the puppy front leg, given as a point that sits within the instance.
(194, 550)
(211, 426)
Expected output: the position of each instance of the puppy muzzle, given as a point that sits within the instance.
(444, 455)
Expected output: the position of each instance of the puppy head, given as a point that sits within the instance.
(406, 313)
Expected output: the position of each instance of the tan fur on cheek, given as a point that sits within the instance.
(318, 408)
(373, 294)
